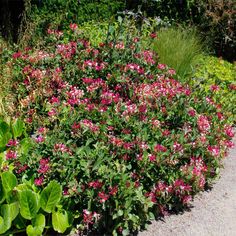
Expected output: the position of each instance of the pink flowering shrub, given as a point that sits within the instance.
(113, 126)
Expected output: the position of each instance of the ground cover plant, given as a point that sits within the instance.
(218, 78)
(123, 139)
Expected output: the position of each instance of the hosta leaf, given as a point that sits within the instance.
(9, 181)
(50, 196)
(28, 204)
(60, 221)
(17, 128)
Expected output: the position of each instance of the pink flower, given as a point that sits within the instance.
(12, 143)
(203, 124)
(160, 148)
(103, 197)
(191, 112)
(39, 139)
(161, 66)
(214, 88)
(73, 26)
(229, 131)
(186, 199)
(11, 155)
(52, 112)
(152, 157)
(113, 190)
(171, 72)
(153, 35)
(39, 181)
(214, 150)
(95, 184)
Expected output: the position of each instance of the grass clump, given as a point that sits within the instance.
(178, 48)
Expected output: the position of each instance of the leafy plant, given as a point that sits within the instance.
(217, 78)
(21, 203)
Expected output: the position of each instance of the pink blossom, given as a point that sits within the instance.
(12, 143)
(39, 181)
(153, 35)
(160, 148)
(214, 150)
(214, 88)
(39, 139)
(95, 184)
(152, 157)
(203, 124)
(11, 155)
(229, 131)
(103, 197)
(73, 26)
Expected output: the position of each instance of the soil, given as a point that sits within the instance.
(213, 213)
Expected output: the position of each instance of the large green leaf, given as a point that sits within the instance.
(50, 196)
(17, 128)
(60, 221)
(14, 210)
(25, 145)
(37, 227)
(9, 181)
(28, 204)
(39, 221)
(6, 219)
(33, 231)
(4, 139)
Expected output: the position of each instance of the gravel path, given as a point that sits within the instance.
(213, 212)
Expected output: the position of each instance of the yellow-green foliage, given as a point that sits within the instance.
(215, 71)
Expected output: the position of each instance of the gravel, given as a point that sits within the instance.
(213, 212)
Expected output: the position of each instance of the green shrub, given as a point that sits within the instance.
(178, 48)
(215, 71)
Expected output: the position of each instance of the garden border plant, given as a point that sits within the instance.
(126, 141)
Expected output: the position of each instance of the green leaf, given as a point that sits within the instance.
(4, 139)
(17, 128)
(60, 221)
(37, 227)
(5, 221)
(33, 231)
(14, 210)
(50, 196)
(39, 221)
(9, 181)
(25, 145)
(28, 204)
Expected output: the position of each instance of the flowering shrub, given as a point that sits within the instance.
(125, 140)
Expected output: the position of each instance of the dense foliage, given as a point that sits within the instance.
(125, 140)
(217, 78)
